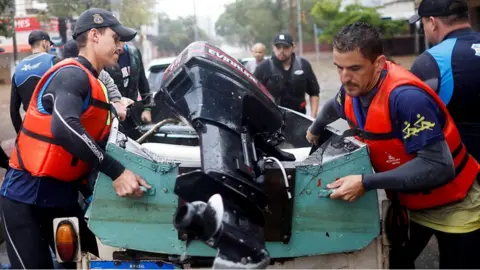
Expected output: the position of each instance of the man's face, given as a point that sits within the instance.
(283, 52)
(357, 73)
(107, 47)
(258, 52)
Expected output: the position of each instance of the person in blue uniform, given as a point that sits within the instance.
(28, 72)
(452, 66)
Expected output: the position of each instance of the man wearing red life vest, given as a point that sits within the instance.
(67, 120)
(415, 149)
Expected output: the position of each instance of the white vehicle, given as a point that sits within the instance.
(155, 72)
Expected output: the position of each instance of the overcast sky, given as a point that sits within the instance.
(204, 8)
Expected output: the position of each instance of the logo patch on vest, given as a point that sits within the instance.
(392, 160)
(298, 72)
(476, 48)
(420, 125)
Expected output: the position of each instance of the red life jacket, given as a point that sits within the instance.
(36, 150)
(388, 152)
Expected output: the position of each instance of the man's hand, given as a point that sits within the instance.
(121, 110)
(146, 116)
(349, 188)
(126, 101)
(311, 138)
(128, 185)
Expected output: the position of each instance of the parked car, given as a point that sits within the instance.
(155, 71)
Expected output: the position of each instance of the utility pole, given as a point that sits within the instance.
(299, 22)
(88, 3)
(195, 28)
(317, 44)
(14, 32)
(291, 18)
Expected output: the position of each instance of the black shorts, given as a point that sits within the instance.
(28, 233)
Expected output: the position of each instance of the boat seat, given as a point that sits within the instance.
(192, 153)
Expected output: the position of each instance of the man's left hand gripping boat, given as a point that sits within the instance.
(246, 191)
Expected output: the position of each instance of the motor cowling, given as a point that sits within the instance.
(238, 124)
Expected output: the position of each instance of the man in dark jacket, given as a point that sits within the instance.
(288, 77)
(129, 75)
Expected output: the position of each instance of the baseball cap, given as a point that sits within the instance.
(283, 38)
(439, 8)
(37, 35)
(2, 50)
(99, 18)
(70, 49)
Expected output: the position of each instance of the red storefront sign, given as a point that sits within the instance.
(26, 24)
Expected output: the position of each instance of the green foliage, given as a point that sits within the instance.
(133, 13)
(245, 22)
(176, 34)
(331, 19)
(5, 28)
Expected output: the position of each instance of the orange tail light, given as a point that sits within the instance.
(66, 241)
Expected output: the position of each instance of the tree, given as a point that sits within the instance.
(174, 35)
(245, 22)
(331, 19)
(6, 17)
(133, 13)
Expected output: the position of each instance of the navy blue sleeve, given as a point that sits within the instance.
(426, 69)
(417, 118)
(15, 103)
(330, 112)
(418, 121)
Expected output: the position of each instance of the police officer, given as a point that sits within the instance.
(288, 76)
(452, 66)
(28, 72)
(58, 145)
(414, 147)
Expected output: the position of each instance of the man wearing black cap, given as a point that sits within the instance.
(452, 66)
(28, 72)
(288, 77)
(67, 120)
(129, 76)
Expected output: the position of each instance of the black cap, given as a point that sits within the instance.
(99, 18)
(70, 49)
(283, 38)
(439, 8)
(37, 35)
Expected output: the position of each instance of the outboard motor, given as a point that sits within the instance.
(238, 125)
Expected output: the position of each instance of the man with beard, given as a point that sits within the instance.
(415, 149)
(289, 77)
